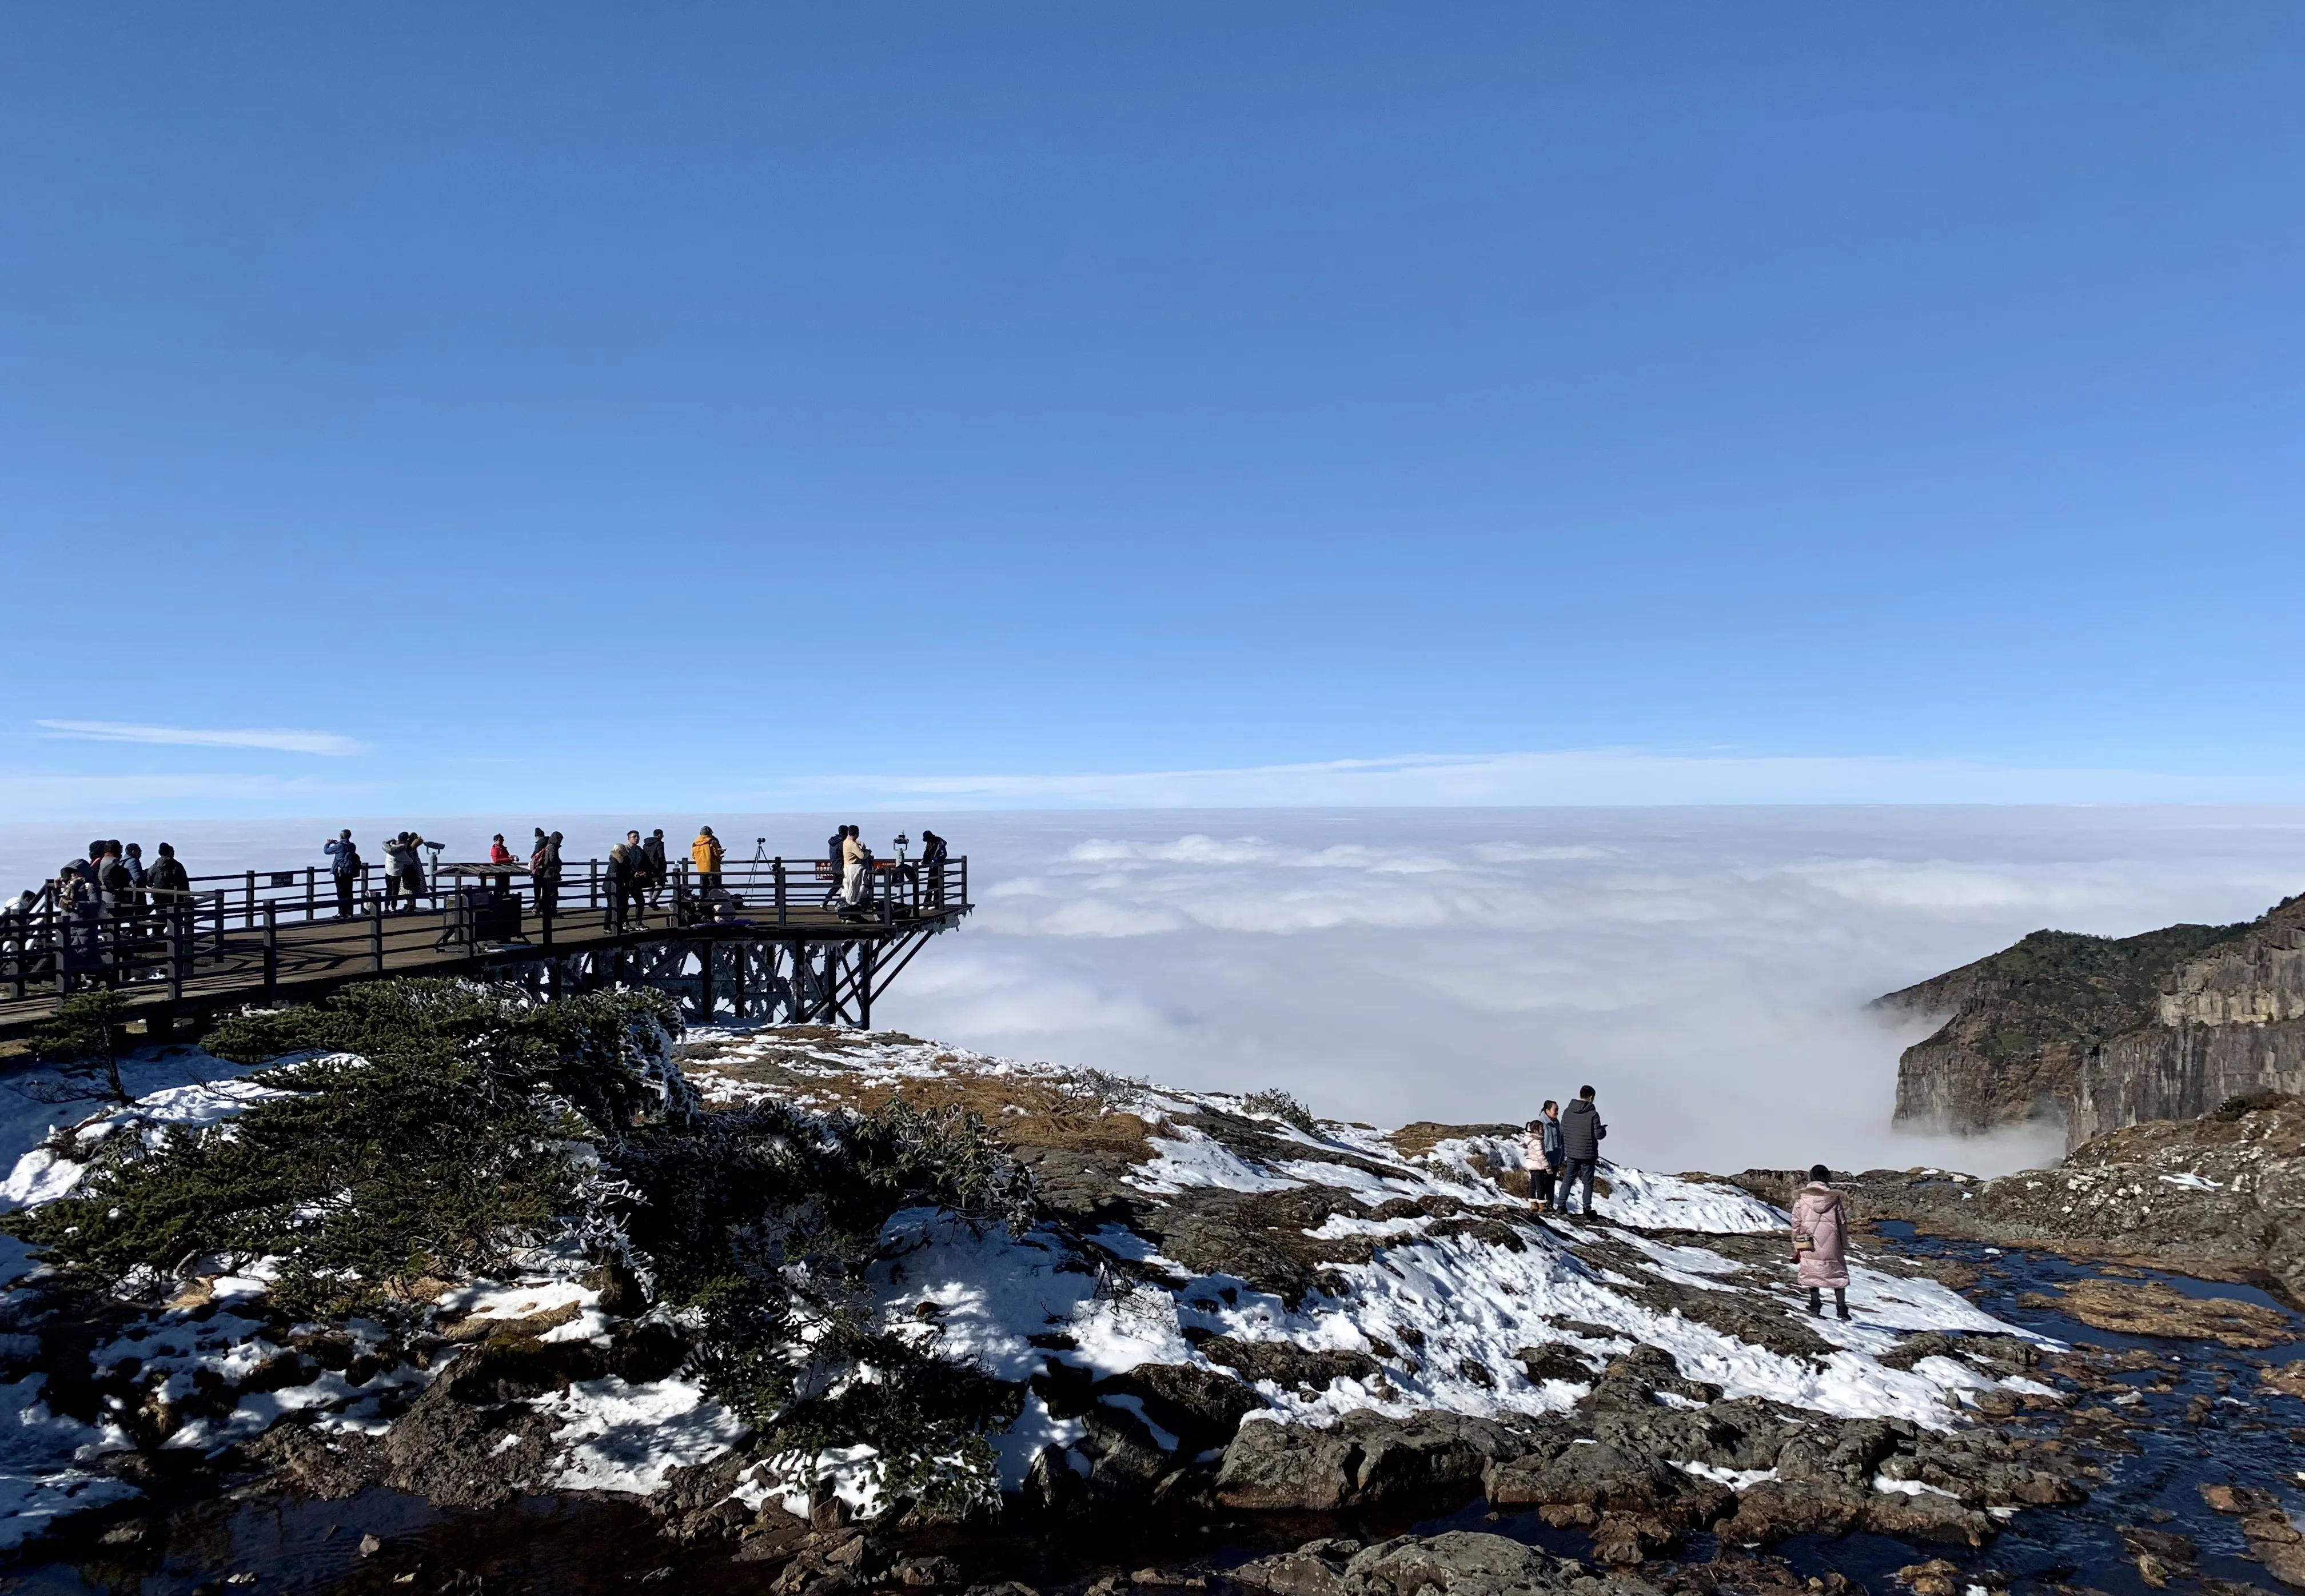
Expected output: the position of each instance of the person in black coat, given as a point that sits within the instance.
(659, 871)
(1581, 1132)
(933, 857)
(836, 849)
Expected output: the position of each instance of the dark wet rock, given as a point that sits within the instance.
(1200, 1407)
(1366, 1460)
(920, 1573)
(1779, 1509)
(330, 1469)
(1602, 1477)
(1848, 1453)
(1585, 1329)
(1927, 1516)
(2239, 1499)
(2002, 1355)
(1461, 1563)
(831, 1563)
(1557, 1359)
(1286, 1364)
(1935, 1577)
(1126, 1460)
(2164, 1544)
(2149, 1308)
(1766, 1322)
(2276, 1544)
(1635, 1377)
(1257, 1237)
(1261, 1238)
(1623, 1538)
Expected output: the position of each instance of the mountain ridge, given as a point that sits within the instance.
(2102, 1033)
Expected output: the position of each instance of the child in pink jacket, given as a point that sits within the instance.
(1821, 1241)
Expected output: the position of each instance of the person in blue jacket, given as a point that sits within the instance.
(345, 864)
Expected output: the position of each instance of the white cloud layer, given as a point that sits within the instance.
(329, 743)
(1588, 776)
(1706, 970)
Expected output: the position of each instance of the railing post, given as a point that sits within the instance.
(312, 907)
(59, 934)
(271, 956)
(180, 949)
(248, 916)
(780, 867)
(544, 906)
(592, 883)
(376, 933)
(469, 906)
(963, 880)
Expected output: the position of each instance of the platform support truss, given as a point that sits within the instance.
(746, 979)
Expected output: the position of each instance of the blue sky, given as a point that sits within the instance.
(776, 407)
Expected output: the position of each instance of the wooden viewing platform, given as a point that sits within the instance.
(768, 942)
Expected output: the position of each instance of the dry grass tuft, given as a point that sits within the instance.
(1414, 1141)
(1023, 1113)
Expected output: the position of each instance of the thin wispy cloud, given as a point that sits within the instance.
(1598, 776)
(331, 744)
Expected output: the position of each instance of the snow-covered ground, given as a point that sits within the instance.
(1108, 1301)
(1465, 1302)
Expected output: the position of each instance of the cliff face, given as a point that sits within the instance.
(2104, 1032)
(2229, 1021)
(2023, 1024)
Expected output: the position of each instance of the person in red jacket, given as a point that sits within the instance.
(497, 852)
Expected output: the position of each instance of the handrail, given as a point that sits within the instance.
(257, 924)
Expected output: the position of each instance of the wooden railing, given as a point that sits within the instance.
(253, 921)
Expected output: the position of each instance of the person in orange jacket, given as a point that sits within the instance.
(706, 853)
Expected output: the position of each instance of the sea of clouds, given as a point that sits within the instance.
(1705, 969)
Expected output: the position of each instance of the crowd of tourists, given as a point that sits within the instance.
(115, 897)
(116, 882)
(640, 870)
(113, 882)
(1563, 1151)
(112, 891)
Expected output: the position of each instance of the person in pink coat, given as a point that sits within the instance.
(1821, 1241)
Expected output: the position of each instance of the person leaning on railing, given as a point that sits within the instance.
(706, 853)
(544, 870)
(111, 880)
(166, 880)
(628, 884)
(132, 859)
(77, 910)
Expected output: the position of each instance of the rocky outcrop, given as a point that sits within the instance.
(2221, 1195)
(2101, 1032)
(1462, 1563)
(1637, 1474)
(1365, 1461)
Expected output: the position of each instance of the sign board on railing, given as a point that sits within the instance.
(283, 877)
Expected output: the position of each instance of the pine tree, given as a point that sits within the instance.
(83, 1041)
